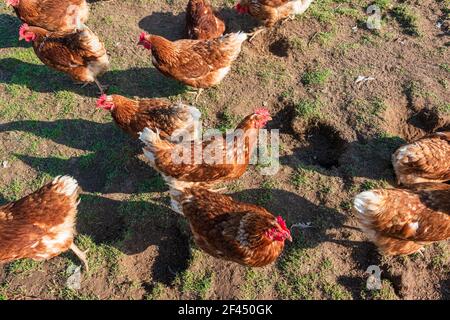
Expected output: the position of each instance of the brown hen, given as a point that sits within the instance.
(426, 160)
(197, 63)
(201, 23)
(171, 119)
(269, 12)
(41, 225)
(231, 230)
(79, 54)
(401, 222)
(216, 159)
(52, 15)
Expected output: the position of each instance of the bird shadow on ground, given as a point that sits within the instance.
(139, 82)
(235, 22)
(134, 226)
(161, 23)
(335, 157)
(9, 29)
(112, 153)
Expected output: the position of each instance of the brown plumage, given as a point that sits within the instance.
(206, 162)
(52, 15)
(41, 225)
(79, 54)
(426, 160)
(269, 12)
(231, 230)
(197, 63)
(201, 22)
(401, 221)
(132, 116)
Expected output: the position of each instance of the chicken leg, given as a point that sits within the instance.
(197, 93)
(103, 89)
(255, 33)
(81, 255)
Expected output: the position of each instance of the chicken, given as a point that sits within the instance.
(52, 15)
(269, 12)
(201, 23)
(133, 116)
(426, 160)
(401, 222)
(79, 54)
(41, 225)
(216, 159)
(230, 230)
(197, 63)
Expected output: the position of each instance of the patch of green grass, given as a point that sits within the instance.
(297, 43)
(445, 66)
(100, 256)
(227, 121)
(302, 176)
(272, 72)
(386, 292)
(441, 259)
(23, 266)
(407, 18)
(316, 77)
(373, 184)
(197, 283)
(383, 4)
(67, 101)
(325, 37)
(257, 281)
(378, 107)
(266, 194)
(70, 294)
(309, 109)
(157, 291)
(13, 191)
(445, 108)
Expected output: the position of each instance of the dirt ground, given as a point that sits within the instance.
(336, 135)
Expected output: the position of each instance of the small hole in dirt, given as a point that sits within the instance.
(426, 119)
(280, 47)
(326, 145)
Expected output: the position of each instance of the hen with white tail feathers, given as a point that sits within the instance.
(41, 225)
(401, 221)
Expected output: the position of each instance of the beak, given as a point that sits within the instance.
(289, 237)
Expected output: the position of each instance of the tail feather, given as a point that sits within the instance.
(300, 6)
(368, 203)
(153, 143)
(66, 185)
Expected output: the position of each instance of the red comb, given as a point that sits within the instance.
(142, 36)
(23, 28)
(262, 111)
(282, 223)
(101, 100)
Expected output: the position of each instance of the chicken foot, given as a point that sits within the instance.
(197, 93)
(81, 255)
(255, 33)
